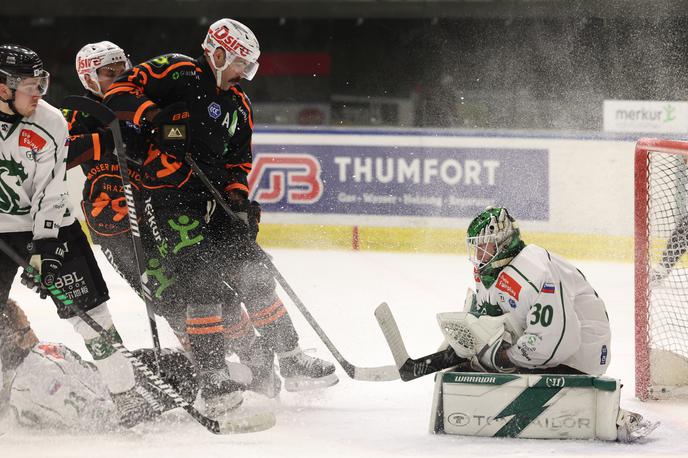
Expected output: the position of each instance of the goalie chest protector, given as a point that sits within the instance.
(525, 406)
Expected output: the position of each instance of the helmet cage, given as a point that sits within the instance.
(482, 249)
(495, 232)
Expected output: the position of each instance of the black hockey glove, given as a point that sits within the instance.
(248, 211)
(170, 129)
(50, 254)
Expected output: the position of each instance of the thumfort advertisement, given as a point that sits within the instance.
(400, 180)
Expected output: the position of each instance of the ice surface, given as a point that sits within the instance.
(351, 419)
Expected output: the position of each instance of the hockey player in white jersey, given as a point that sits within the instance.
(48, 385)
(37, 221)
(561, 321)
(532, 312)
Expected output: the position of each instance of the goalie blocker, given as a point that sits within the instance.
(526, 406)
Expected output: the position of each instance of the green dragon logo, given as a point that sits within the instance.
(9, 199)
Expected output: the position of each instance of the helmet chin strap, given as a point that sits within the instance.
(10, 103)
(218, 70)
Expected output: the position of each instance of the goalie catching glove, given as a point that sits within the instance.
(483, 340)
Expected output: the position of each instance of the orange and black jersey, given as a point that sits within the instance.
(84, 137)
(221, 122)
(103, 204)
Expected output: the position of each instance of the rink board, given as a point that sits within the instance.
(416, 190)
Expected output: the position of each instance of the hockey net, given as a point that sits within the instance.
(661, 268)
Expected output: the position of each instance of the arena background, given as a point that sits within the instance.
(480, 74)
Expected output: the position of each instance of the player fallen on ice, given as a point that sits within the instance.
(203, 267)
(532, 312)
(48, 385)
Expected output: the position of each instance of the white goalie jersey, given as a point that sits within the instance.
(33, 161)
(564, 320)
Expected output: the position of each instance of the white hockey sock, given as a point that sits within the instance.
(115, 369)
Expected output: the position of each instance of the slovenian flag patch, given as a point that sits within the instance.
(548, 288)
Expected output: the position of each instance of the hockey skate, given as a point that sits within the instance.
(265, 380)
(135, 406)
(302, 372)
(631, 427)
(261, 361)
(220, 393)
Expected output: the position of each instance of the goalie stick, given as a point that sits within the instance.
(369, 374)
(410, 369)
(252, 423)
(108, 118)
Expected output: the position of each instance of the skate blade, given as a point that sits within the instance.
(307, 383)
(248, 424)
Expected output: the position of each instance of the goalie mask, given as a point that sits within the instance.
(238, 43)
(98, 55)
(493, 240)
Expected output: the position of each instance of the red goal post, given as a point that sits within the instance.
(661, 292)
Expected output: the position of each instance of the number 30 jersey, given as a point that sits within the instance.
(564, 319)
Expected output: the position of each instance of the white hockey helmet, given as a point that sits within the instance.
(238, 42)
(96, 55)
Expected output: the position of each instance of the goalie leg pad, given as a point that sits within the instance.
(548, 406)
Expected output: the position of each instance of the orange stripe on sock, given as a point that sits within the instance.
(206, 330)
(204, 320)
(268, 310)
(271, 319)
(240, 329)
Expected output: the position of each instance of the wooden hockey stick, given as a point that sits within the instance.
(410, 369)
(252, 423)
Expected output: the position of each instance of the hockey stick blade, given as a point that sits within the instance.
(367, 374)
(410, 369)
(252, 423)
(248, 424)
(90, 106)
(376, 374)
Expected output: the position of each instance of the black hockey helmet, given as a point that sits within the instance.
(18, 63)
